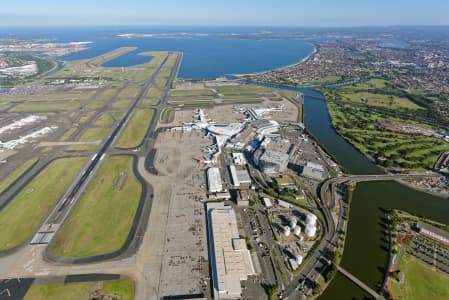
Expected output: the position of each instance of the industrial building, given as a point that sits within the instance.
(214, 180)
(238, 159)
(239, 177)
(242, 197)
(267, 202)
(313, 171)
(273, 155)
(285, 183)
(229, 257)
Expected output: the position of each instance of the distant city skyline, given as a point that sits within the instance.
(226, 13)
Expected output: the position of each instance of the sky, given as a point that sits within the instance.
(224, 12)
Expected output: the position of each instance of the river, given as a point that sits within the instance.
(365, 254)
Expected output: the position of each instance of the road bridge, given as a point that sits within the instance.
(331, 183)
(359, 283)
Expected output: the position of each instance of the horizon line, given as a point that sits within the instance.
(226, 26)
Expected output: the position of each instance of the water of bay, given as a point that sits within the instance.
(215, 53)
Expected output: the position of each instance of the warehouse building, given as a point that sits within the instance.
(239, 177)
(214, 180)
(313, 171)
(229, 257)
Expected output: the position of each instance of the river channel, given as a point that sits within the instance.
(365, 254)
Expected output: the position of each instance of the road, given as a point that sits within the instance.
(334, 228)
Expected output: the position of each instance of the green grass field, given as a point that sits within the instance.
(375, 92)
(374, 83)
(420, 281)
(324, 81)
(165, 72)
(121, 103)
(144, 75)
(190, 92)
(117, 114)
(47, 106)
(154, 92)
(108, 118)
(101, 221)
(136, 129)
(6, 182)
(161, 82)
(123, 288)
(4, 107)
(171, 61)
(90, 135)
(95, 104)
(242, 100)
(167, 116)
(21, 217)
(129, 92)
(359, 126)
(105, 119)
(68, 134)
(158, 57)
(53, 97)
(191, 102)
(201, 97)
(86, 117)
(94, 134)
(383, 100)
(107, 94)
(150, 101)
(101, 59)
(245, 89)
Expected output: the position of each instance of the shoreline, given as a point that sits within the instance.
(315, 51)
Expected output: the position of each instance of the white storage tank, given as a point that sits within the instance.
(293, 222)
(297, 230)
(310, 230)
(311, 219)
(287, 230)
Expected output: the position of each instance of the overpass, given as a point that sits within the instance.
(331, 183)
